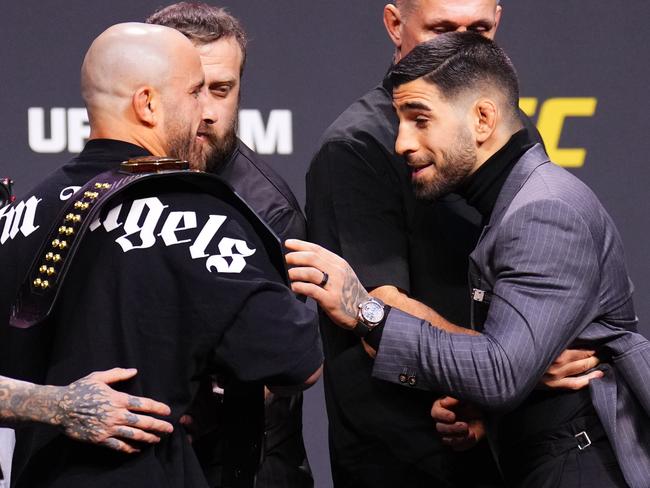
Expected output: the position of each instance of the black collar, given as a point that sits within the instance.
(387, 83)
(482, 188)
(110, 150)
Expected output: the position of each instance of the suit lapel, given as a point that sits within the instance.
(534, 157)
(480, 276)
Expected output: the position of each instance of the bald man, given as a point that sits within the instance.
(177, 282)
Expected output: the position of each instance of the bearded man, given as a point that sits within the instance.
(174, 275)
(220, 41)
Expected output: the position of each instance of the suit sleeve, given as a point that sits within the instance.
(545, 293)
(355, 207)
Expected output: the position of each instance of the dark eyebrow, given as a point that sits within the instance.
(414, 106)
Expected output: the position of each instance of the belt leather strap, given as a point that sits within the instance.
(40, 288)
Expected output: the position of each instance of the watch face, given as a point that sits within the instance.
(372, 312)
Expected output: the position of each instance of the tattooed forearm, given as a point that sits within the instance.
(79, 408)
(352, 294)
(22, 402)
(86, 410)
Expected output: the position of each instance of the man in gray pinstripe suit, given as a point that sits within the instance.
(547, 273)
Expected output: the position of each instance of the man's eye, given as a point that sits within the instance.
(479, 29)
(220, 91)
(421, 122)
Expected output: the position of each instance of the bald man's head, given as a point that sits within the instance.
(411, 22)
(141, 81)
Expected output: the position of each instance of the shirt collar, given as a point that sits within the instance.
(110, 150)
(482, 188)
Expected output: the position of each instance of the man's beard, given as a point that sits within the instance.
(218, 150)
(449, 173)
(181, 142)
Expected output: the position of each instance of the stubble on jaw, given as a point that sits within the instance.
(217, 151)
(451, 171)
(184, 147)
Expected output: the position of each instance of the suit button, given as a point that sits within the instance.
(403, 378)
(412, 381)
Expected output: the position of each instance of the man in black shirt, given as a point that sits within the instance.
(221, 43)
(410, 254)
(168, 279)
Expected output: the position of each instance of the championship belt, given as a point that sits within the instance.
(40, 289)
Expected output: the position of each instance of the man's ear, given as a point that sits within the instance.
(497, 17)
(484, 114)
(393, 23)
(145, 106)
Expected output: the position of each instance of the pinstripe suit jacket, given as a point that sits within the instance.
(551, 268)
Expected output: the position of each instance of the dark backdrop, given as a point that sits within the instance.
(582, 63)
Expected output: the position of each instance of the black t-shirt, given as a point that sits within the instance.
(360, 205)
(171, 281)
(284, 463)
(265, 191)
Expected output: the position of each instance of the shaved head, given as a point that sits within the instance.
(125, 57)
(405, 6)
(411, 22)
(141, 81)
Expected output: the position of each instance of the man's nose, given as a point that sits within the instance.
(405, 142)
(208, 112)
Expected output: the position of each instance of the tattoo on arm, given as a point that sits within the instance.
(81, 409)
(21, 402)
(352, 294)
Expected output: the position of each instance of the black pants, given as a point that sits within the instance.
(554, 459)
(446, 469)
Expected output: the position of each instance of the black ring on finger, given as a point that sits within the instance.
(325, 279)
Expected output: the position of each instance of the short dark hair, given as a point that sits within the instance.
(201, 23)
(458, 62)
